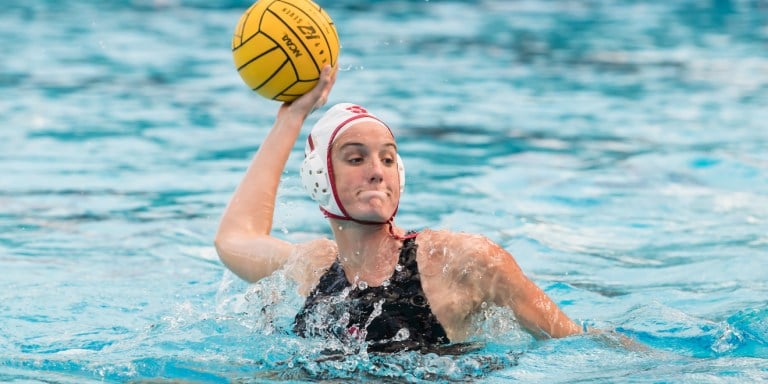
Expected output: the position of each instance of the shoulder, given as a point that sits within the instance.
(309, 261)
(460, 251)
(457, 242)
(321, 248)
(458, 275)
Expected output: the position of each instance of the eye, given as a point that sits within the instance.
(355, 159)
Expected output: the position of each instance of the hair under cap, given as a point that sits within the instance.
(317, 169)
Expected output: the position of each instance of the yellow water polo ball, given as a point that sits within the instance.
(280, 47)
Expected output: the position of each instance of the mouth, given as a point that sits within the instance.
(370, 194)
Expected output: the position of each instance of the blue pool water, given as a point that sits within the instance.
(617, 149)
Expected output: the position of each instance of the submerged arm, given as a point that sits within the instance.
(243, 239)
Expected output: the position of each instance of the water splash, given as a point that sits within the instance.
(742, 334)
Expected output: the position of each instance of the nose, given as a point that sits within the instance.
(376, 171)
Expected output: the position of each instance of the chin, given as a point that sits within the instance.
(372, 215)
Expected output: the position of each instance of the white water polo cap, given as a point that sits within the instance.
(317, 169)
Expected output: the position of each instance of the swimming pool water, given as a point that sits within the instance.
(617, 149)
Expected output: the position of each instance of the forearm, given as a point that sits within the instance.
(251, 208)
(252, 205)
(534, 310)
(540, 315)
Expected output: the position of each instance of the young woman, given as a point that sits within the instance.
(373, 283)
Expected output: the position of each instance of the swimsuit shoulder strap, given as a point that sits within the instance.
(407, 256)
(332, 281)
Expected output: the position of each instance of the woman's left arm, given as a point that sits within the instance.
(508, 286)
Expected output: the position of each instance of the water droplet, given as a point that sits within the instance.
(398, 267)
(402, 334)
(362, 285)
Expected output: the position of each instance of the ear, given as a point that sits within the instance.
(314, 178)
(401, 172)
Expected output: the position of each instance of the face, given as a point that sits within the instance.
(364, 159)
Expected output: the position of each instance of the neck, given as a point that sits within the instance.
(367, 252)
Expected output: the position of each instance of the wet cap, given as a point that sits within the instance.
(317, 170)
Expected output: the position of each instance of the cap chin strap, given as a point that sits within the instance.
(389, 222)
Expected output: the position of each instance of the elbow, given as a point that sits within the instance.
(225, 241)
(248, 258)
(224, 246)
(235, 262)
(219, 242)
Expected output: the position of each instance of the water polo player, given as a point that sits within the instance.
(374, 283)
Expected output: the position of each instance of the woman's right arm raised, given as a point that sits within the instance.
(243, 239)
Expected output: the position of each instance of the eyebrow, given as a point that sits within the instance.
(356, 144)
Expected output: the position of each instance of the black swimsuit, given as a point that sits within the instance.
(392, 317)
